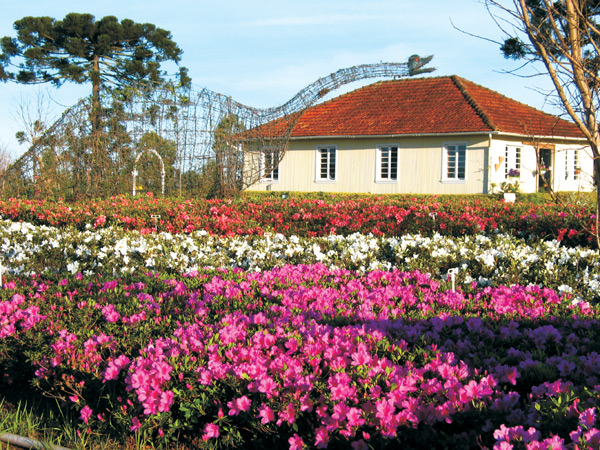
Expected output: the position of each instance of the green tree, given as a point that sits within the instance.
(564, 36)
(229, 160)
(4, 163)
(106, 53)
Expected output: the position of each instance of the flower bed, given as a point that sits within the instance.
(495, 260)
(223, 332)
(304, 217)
(307, 355)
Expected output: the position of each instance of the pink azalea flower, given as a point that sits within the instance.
(339, 411)
(267, 415)
(296, 442)
(385, 410)
(502, 434)
(244, 403)
(588, 417)
(238, 405)
(354, 416)
(86, 413)
(267, 386)
(166, 400)
(503, 446)
(287, 414)
(592, 437)
(136, 424)
(360, 358)
(110, 314)
(211, 431)
(555, 443)
(321, 437)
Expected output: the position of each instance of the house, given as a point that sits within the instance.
(437, 135)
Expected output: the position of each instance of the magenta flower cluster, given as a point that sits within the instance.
(14, 317)
(310, 356)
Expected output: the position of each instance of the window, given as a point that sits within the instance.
(455, 162)
(512, 162)
(387, 164)
(572, 165)
(270, 165)
(326, 161)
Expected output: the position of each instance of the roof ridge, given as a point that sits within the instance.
(473, 103)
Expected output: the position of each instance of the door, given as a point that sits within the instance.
(545, 174)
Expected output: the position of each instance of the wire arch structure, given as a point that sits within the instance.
(203, 126)
(134, 172)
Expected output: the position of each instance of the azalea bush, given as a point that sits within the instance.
(362, 322)
(389, 216)
(306, 355)
(495, 260)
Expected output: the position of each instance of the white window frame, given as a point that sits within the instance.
(268, 177)
(445, 156)
(571, 165)
(379, 164)
(512, 159)
(318, 152)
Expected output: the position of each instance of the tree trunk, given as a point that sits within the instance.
(597, 209)
(94, 171)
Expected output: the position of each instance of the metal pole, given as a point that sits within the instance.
(452, 273)
(25, 442)
(134, 173)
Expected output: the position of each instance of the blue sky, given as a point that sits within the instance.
(262, 52)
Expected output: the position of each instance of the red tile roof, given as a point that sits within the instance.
(427, 106)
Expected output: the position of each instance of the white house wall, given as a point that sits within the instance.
(498, 165)
(565, 178)
(562, 166)
(420, 166)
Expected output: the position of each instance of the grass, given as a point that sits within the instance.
(45, 422)
(42, 424)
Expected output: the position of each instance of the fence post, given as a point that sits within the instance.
(452, 274)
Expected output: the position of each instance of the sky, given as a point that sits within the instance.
(262, 52)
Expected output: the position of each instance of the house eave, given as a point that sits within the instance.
(541, 138)
(461, 133)
(385, 136)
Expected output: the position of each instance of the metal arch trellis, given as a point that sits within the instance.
(192, 120)
(134, 173)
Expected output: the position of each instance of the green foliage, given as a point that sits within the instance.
(229, 160)
(508, 187)
(112, 56)
(81, 49)
(514, 48)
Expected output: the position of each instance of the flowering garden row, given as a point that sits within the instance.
(495, 260)
(307, 355)
(390, 216)
(319, 336)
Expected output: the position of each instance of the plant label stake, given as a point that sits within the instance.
(155, 217)
(452, 274)
(1, 269)
(433, 215)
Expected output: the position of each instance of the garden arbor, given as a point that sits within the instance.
(134, 173)
(203, 126)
